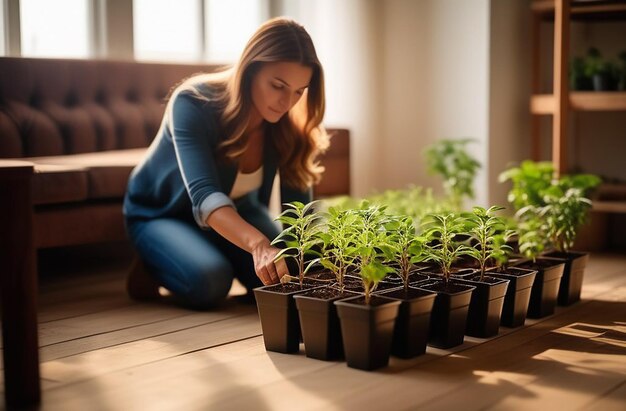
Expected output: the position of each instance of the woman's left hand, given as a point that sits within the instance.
(269, 271)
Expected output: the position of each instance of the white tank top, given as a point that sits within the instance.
(246, 182)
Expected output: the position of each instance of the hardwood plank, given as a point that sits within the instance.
(198, 380)
(93, 364)
(144, 331)
(106, 321)
(613, 400)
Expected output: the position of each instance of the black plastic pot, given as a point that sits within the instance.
(485, 309)
(410, 333)
(573, 274)
(279, 316)
(517, 295)
(449, 315)
(367, 330)
(545, 287)
(319, 322)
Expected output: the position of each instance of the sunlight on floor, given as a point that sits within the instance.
(614, 335)
(497, 377)
(603, 363)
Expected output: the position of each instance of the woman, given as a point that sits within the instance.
(196, 207)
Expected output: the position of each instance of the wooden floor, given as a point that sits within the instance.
(102, 351)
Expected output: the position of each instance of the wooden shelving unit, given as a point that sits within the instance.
(561, 103)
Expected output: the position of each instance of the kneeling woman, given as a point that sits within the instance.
(196, 207)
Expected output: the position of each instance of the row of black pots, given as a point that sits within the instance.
(403, 322)
(395, 322)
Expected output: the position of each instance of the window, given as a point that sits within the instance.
(229, 25)
(167, 30)
(194, 30)
(57, 28)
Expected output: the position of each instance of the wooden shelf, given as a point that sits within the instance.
(610, 198)
(584, 10)
(581, 101)
(609, 206)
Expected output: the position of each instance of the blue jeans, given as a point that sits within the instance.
(196, 265)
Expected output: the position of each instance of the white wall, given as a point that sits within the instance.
(509, 92)
(346, 36)
(402, 74)
(435, 82)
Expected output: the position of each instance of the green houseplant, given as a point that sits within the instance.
(450, 160)
(301, 237)
(275, 303)
(449, 313)
(521, 280)
(412, 324)
(533, 189)
(487, 231)
(533, 241)
(598, 69)
(367, 321)
(565, 211)
(319, 321)
(339, 241)
(441, 231)
(579, 81)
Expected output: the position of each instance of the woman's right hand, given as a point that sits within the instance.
(266, 269)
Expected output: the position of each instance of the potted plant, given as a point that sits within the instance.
(530, 182)
(277, 310)
(367, 321)
(599, 70)
(485, 309)
(578, 78)
(412, 324)
(521, 281)
(450, 159)
(319, 322)
(549, 270)
(449, 314)
(565, 211)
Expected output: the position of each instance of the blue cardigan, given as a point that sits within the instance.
(181, 177)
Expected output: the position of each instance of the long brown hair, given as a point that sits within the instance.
(298, 137)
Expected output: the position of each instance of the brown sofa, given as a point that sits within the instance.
(70, 133)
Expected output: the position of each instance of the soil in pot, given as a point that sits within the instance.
(319, 322)
(279, 316)
(517, 295)
(545, 287)
(410, 333)
(417, 277)
(485, 309)
(449, 315)
(573, 274)
(367, 330)
(323, 276)
(455, 271)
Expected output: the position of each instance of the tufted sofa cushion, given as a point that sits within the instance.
(52, 107)
(83, 123)
(103, 174)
